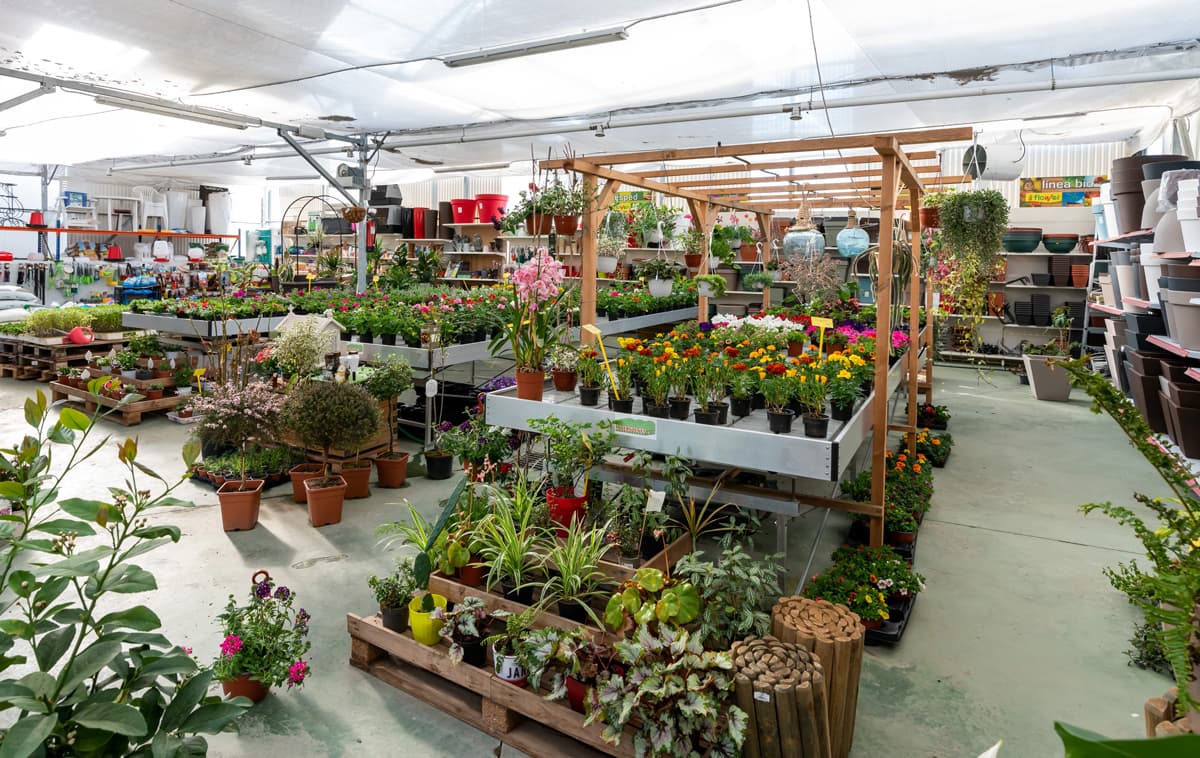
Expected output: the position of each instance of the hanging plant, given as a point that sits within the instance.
(973, 225)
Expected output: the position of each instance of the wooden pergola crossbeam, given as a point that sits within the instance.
(815, 192)
(795, 179)
(858, 141)
(848, 160)
(890, 147)
(587, 167)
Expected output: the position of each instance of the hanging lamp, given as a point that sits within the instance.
(802, 238)
(853, 240)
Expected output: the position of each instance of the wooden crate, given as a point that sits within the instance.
(128, 414)
(663, 561)
(514, 715)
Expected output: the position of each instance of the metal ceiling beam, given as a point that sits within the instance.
(13, 102)
(320, 169)
(703, 184)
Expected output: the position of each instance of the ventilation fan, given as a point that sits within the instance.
(351, 176)
(995, 162)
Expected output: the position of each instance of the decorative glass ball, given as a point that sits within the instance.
(806, 243)
(852, 242)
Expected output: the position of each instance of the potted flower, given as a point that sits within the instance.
(935, 446)
(386, 382)
(710, 285)
(757, 281)
(154, 390)
(844, 390)
(325, 415)
(563, 359)
(393, 593)
(510, 656)
(233, 416)
(572, 449)
(439, 461)
(692, 242)
(465, 628)
(811, 387)
(535, 324)
(659, 274)
(720, 247)
(577, 578)
(777, 391)
(591, 376)
(608, 253)
(658, 389)
(126, 362)
(301, 347)
(264, 642)
(655, 225)
(622, 401)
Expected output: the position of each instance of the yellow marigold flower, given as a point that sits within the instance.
(791, 372)
(868, 598)
(844, 374)
(771, 347)
(803, 379)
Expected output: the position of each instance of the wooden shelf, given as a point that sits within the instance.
(1038, 287)
(116, 233)
(473, 224)
(470, 252)
(413, 241)
(1042, 255)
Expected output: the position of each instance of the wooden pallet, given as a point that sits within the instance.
(514, 715)
(453, 590)
(40, 358)
(129, 414)
(1162, 718)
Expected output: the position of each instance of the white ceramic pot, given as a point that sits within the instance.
(659, 287)
(183, 391)
(1191, 234)
(714, 263)
(1168, 235)
(606, 264)
(509, 668)
(704, 289)
(1046, 381)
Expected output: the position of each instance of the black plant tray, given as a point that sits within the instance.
(860, 534)
(893, 629)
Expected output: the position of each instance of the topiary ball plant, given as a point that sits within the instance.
(326, 415)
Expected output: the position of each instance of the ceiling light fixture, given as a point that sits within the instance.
(472, 167)
(536, 47)
(796, 111)
(200, 116)
(598, 129)
(247, 160)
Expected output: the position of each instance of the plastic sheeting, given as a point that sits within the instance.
(338, 65)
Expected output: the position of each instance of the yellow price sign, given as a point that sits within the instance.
(822, 324)
(595, 332)
(199, 373)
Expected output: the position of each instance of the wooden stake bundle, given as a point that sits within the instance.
(835, 635)
(781, 687)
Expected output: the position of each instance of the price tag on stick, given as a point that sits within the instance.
(199, 373)
(592, 330)
(822, 324)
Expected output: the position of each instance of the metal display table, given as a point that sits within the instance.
(195, 327)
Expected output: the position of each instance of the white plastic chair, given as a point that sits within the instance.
(154, 205)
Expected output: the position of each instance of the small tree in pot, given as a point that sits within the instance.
(388, 380)
(325, 415)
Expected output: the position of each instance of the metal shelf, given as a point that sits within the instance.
(116, 232)
(1171, 346)
(1037, 287)
(194, 327)
(1107, 309)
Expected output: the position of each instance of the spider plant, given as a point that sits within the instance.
(508, 538)
(576, 558)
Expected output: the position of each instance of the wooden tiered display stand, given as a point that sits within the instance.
(129, 414)
(888, 181)
(517, 716)
(40, 358)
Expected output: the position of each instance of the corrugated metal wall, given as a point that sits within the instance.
(429, 193)
(1046, 160)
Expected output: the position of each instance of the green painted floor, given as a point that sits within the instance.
(1016, 629)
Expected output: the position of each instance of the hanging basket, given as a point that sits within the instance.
(354, 214)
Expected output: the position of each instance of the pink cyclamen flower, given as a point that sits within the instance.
(296, 673)
(231, 645)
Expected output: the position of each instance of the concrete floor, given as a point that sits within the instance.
(1016, 629)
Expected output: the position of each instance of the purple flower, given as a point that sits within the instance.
(263, 589)
(464, 426)
(445, 426)
(705, 326)
(282, 593)
(303, 617)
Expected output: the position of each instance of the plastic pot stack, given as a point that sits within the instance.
(1127, 192)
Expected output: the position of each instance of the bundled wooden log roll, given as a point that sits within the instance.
(836, 635)
(781, 687)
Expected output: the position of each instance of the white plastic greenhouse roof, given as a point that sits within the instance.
(377, 66)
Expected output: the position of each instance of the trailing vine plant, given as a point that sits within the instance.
(973, 225)
(1169, 595)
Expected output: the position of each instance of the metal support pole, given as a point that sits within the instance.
(364, 192)
(317, 166)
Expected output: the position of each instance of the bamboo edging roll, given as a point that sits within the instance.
(781, 687)
(836, 635)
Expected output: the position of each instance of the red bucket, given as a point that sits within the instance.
(418, 222)
(463, 210)
(491, 207)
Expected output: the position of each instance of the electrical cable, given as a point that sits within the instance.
(424, 58)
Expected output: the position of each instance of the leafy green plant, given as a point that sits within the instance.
(395, 589)
(510, 641)
(85, 673)
(467, 624)
(325, 415)
(301, 347)
(714, 282)
(576, 560)
(657, 268)
(386, 382)
(508, 538)
(573, 449)
(757, 280)
(1080, 743)
(652, 598)
(678, 694)
(736, 593)
(973, 226)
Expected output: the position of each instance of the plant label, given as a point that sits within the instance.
(654, 501)
(762, 697)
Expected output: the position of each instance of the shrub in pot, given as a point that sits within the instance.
(510, 650)
(736, 593)
(325, 415)
(577, 577)
(393, 593)
(710, 285)
(386, 382)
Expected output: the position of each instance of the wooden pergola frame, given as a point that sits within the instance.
(896, 174)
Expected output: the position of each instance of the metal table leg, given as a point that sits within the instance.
(812, 551)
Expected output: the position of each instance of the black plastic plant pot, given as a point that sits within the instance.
(474, 653)
(722, 410)
(622, 406)
(570, 609)
(524, 596)
(740, 406)
(680, 407)
(589, 396)
(708, 417)
(652, 546)
(841, 412)
(780, 421)
(657, 411)
(758, 401)
(816, 426)
(395, 619)
(438, 466)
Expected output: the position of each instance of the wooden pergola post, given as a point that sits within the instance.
(593, 213)
(883, 333)
(764, 226)
(914, 314)
(704, 218)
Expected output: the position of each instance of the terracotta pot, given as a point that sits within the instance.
(325, 497)
(795, 349)
(748, 254)
(299, 475)
(873, 624)
(393, 470)
(358, 479)
(901, 538)
(472, 573)
(244, 686)
(530, 384)
(564, 381)
(539, 226)
(692, 260)
(154, 394)
(931, 218)
(566, 224)
(240, 503)
(576, 693)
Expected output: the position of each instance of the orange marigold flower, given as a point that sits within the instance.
(916, 468)
(739, 367)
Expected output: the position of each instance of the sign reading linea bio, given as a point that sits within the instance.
(636, 427)
(1059, 191)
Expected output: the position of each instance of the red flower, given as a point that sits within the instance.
(776, 369)
(731, 351)
(739, 367)
(691, 352)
